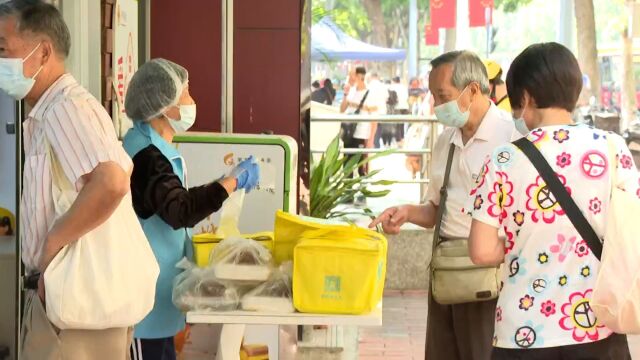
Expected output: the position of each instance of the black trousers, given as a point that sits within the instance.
(399, 135)
(614, 347)
(353, 143)
(153, 349)
(460, 331)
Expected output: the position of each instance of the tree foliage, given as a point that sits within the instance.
(511, 5)
(351, 16)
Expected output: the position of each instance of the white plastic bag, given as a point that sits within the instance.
(616, 295)
(199, 289)
(239, 259)
(106, 279)
(275, 295)
(230, 215)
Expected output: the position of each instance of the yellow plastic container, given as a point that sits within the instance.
(289, 228)
(339, 270)
(203, 245)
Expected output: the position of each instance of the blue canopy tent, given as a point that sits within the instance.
(330, 43)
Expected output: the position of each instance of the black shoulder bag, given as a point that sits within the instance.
(348, 129)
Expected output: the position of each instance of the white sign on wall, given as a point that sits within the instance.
(125, 58)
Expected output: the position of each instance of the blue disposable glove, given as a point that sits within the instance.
(247, 174)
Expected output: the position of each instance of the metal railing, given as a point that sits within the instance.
(426, 151)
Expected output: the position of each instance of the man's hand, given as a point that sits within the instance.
(392, 219)
(346, 89)
(51, 248)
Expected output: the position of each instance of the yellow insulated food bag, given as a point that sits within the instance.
(339, 270)
(289, 228)
(203, 245)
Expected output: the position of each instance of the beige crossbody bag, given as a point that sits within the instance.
(455, 279)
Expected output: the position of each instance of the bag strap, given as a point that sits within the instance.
(562, 195)
(364, 98)
(502, 100)
(443, 199)
(61, 186)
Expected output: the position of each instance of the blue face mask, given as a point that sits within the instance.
(521, 126)
(449, 114)
(12, 79)
(187, 118)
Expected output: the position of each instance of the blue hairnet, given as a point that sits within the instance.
(156, 86)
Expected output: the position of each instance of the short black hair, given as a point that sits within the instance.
(40, 18)
(360, 70)
(316, 84)
(550, 73)
(327, 83)
(396, 79)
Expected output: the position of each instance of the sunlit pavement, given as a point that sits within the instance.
(403, 334)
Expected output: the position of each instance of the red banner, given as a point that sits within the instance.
(431, 35)
(477, 12)
(443, 13)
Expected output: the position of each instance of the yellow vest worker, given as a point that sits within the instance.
(497, 85)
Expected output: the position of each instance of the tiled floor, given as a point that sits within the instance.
(402, 336)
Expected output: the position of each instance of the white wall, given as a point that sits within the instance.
(84, 62)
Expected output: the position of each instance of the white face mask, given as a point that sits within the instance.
(449, 114)
(187, 118)
(521, 125)
(12, 79)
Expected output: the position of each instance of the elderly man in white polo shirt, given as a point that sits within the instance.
(34, 42)
(474, 128)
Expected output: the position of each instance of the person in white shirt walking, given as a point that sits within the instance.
(402, 106)
(360, 135)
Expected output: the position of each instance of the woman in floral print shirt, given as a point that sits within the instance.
(549, 270)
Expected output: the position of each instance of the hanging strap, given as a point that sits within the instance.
(62, 190)
(502, 100)
(562, 195)
(364, 98)
(443, 199)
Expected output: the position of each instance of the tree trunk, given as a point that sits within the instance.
(629, 104)
(587, 51)
(374, 10)
(379, 34)
(450, 40)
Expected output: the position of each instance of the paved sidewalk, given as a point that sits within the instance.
(402, 336)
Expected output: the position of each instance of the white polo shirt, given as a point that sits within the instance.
(496, 128)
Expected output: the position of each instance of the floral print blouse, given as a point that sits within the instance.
(549, 271)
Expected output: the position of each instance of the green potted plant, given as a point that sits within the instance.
(332, 185)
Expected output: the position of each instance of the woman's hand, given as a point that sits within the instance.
(247, 174)
(229, 183)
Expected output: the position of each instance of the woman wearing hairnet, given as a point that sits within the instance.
(159, 104)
